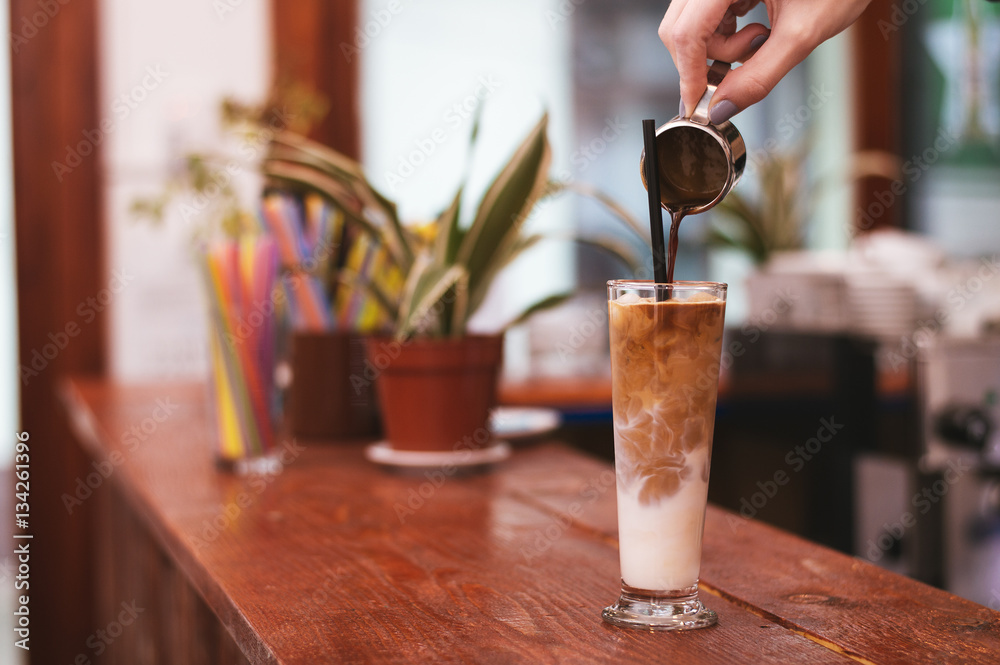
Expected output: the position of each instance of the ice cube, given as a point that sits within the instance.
(628, 298)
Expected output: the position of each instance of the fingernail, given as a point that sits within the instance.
(758, 41)
(722, 111)
(680, 110)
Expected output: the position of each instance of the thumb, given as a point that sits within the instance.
(752, 82)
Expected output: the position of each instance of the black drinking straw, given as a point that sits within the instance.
(655, 211)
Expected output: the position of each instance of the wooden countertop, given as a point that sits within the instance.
(336, 560)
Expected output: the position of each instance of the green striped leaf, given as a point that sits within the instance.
(503, 210)
(428, 285)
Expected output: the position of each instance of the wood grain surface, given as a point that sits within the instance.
(848, 604)
(336, 560)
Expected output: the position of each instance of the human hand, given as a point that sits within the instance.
(695, 31)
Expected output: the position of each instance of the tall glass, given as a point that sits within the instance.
(666, 342)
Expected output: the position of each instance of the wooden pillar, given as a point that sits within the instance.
(314, 43)
(58, 190)
(877, 74)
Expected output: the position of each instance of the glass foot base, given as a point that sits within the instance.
(263, 465)
(658, 610)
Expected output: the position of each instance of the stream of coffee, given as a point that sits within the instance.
(675, 225)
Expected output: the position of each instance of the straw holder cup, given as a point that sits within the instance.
(724, 134)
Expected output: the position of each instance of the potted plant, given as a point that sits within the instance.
(775, 219)
(436, 381)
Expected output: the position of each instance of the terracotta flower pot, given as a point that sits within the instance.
(436, 394)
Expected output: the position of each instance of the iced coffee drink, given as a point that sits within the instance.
(666, 342)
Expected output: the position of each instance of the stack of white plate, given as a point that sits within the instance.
(800, 291)
(798, 301)
(881, 306)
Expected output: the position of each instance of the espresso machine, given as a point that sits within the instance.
(959, 384)
(933, 512)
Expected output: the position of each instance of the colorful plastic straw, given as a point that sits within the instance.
(299, 246)
(312, 241)
(240, 276)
